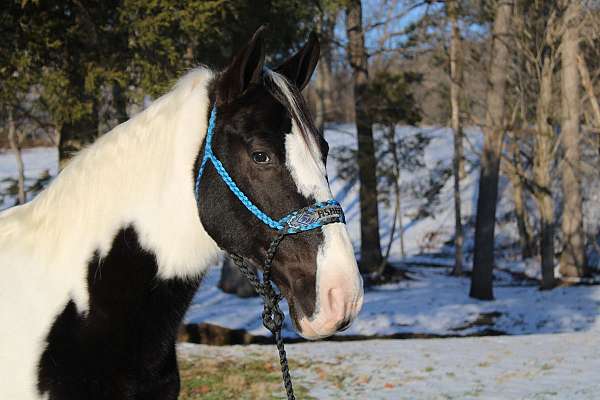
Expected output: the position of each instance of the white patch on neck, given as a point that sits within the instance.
(138, 174)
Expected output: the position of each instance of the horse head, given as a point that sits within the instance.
(265, 141)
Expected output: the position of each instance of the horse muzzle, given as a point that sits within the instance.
(336, 310)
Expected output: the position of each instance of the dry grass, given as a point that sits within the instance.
(250, 378)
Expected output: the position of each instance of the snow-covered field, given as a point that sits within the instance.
(557, 352)
(540, 367)
(431, 303)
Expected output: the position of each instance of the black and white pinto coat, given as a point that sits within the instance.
(55, 249)
(98, 270)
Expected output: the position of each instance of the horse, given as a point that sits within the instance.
(99, 269)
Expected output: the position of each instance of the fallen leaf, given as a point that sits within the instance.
(201, 389)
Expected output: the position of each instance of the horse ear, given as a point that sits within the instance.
(244, 70)
(299, 68)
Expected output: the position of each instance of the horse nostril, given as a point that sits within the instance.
(343, 325)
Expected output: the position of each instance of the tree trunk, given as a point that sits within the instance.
(573, 261)
(233, 280)
(119, 103)
(543, 156)
(16, 148)
(76, 134)
(483, 262)
(324, 69)
(518, 176)
(516, 181)
(398, 194)
(586, 81)
(589, 87)
(370, 247)
(455, 88)
(397, 219)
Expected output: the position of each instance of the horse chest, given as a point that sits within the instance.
(123, 346)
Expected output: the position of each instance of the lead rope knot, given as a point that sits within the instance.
(272, 316)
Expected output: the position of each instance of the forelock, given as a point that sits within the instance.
(289, 96)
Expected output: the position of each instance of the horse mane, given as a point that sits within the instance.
(138, 174)
(291, 98)
(132, 175)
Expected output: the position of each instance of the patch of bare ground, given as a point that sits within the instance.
(240, 378)
(483, 319)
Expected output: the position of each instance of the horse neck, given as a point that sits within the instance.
(141, 175)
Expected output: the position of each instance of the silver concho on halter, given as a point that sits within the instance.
(312, 217)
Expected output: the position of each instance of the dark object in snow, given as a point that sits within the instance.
(234, 282)
(391, 274)
(216, 335)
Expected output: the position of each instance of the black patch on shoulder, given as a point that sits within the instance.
(124, 347)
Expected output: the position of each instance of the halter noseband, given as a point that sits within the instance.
(301, 220)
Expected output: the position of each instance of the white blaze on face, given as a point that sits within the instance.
(305, 166)
(339, 285)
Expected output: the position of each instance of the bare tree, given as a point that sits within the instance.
(586, 81)
(543, 156)
(370, 246)
(538, 30)
(397, 218)
(119, 102)
(516, 175)
(494, 129)
(455, 94)
(326, 27)
(75, 135)
(573, 258)
(16, 148)
(525, 90)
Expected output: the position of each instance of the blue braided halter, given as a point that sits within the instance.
(304, 219)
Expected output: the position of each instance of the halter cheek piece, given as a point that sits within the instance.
(301, 220)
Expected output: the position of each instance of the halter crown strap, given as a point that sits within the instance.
(304, 219)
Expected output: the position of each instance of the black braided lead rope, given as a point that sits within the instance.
(272, 316)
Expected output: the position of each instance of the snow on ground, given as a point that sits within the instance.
(430, 303)
(38, 163)
(562, 366)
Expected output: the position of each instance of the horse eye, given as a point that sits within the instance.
(260, 157)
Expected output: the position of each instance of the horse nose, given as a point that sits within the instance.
(337, 304)
(341, 306)
(344, 324)
(336, 311)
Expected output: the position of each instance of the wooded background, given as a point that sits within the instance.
(524, 72)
